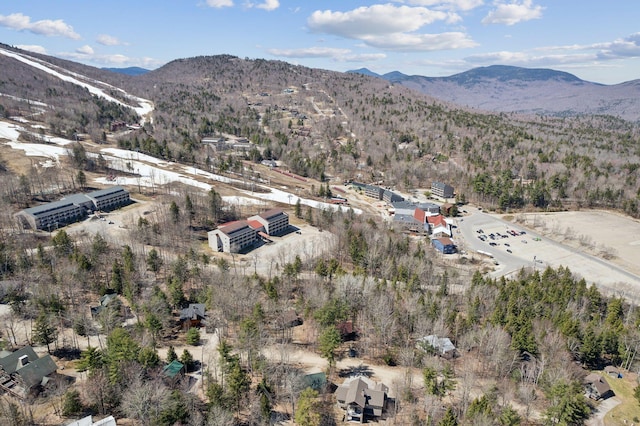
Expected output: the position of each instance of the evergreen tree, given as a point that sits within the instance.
(298, 209)
(90, 359)
(193, 336)
(328, 342)
(44, 331)
(72, 404)
(154, 261)
(568, 404)
(171, 354)
(449, 418)
(308, 410)
(148, 357)
(509, 417)
(187, 359)
(174, 212)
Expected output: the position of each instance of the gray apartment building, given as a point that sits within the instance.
(441, 190)
(73, 208)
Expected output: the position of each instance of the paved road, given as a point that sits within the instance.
(610, 278)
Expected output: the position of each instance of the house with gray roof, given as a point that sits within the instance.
(361, 399)
(596, 387)
(441, 345)
(23, 371)
(274, 221)
(192, 315)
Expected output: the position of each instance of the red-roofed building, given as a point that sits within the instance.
(274, 221)
(257, 225)
(420, 215)
(438, 225)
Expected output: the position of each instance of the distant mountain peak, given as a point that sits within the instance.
(128, 71)
(505, 73)
(364, 71)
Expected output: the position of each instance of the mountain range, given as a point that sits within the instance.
(510, 89)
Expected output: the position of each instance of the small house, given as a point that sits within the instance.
(22, 371)
(192, 315)
(361, 400)
(441, 345)
(174, 371)
(596, 387)
(444, 245)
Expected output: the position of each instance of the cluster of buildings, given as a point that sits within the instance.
(422, 218)
(233, 237)
(73, 208)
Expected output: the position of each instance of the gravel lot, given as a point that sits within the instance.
(591, 234)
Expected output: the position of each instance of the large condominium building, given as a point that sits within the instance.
(441, 190)
(73, 208)
(232, 237)
(275, 221)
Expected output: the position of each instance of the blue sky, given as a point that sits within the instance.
(595, 40)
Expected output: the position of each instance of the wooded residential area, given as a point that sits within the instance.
(146, 323)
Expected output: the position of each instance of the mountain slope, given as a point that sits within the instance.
(128, 71)
(503, 88)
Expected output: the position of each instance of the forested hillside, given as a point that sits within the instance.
(370, 292)
(362, 127)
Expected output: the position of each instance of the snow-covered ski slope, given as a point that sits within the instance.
(143, 107)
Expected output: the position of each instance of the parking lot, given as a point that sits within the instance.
(533, 250)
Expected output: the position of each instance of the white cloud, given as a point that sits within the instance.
(421, 42)
(269, 5)
(33, 48)
(47, 27)
(219, 3)
(550, 56)
(390, 27)
(338, 55)
(116, 60)
(513, 12)
(85, 50)
(309, 52)
(376, 20)
(107, 40)
(628, 47)
(449, 4)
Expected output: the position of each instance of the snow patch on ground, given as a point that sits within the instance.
(144, 106)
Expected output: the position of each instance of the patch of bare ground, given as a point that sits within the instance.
(605, 234)
(15, 160)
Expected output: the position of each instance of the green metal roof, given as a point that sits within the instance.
(173, 369)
